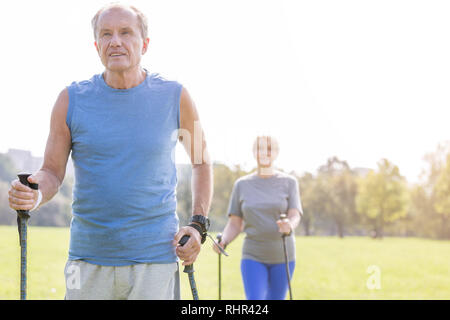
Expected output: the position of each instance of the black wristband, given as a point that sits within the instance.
(199, 229)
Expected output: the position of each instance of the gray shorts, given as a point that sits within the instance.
(143, 281)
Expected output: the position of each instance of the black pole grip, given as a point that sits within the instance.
(23, 178)
(183, 240)
(282, 217)
(189, 269)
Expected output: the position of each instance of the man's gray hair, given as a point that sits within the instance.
(142, 19)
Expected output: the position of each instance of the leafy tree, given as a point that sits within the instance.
(442, 198)
(426, 220)
(382, 196)
(339, 189)
(436, 161)
(311, 203)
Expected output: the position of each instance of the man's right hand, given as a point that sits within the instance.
(22, 197)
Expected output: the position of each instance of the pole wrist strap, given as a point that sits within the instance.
(199, 229)
(38, 202)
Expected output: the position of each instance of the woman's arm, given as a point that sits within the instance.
(234, 227)
(290, 222)
(294, 217)
(294, 213)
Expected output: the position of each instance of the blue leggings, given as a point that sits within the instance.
(264, 281)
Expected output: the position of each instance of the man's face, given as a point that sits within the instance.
(119, 40)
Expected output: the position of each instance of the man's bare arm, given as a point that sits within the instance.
(52, 172)
(57, 150)
(202, 175)
(192, 138)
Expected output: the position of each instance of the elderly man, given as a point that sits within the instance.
(122, 127)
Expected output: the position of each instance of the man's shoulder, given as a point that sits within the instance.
(82, 84)
(158, 79)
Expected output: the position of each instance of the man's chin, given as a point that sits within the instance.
(117, 67)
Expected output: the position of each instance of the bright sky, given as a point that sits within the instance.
(362, 80)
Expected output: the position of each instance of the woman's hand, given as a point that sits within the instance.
(284, 225)
(234, 226)
(221, 244)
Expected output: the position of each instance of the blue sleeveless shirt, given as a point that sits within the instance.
(123, 151)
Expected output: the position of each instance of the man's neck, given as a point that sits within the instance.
(124, 79)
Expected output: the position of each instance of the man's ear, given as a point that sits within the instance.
(96, 47)
(145, 46)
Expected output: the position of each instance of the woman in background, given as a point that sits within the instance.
(256, 204)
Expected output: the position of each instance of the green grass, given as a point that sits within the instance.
(327, 267)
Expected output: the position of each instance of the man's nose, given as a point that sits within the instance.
(115, 40)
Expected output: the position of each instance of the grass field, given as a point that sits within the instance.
(327, 267)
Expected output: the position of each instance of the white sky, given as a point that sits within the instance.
(361, 80)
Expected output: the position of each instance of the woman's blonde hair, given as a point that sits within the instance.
(263, 143)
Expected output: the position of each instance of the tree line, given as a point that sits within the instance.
(336, 199)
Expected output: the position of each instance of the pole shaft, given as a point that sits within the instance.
(189, 269)
(193, 286)
(220, 277)
(23, 259)
(219, 240)
(22, 220)
(287, 266)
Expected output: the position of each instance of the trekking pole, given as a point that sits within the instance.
(283, 216)
(189, 269)
(22, 220)
(219, 238)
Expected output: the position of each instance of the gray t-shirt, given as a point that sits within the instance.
(260, 201)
